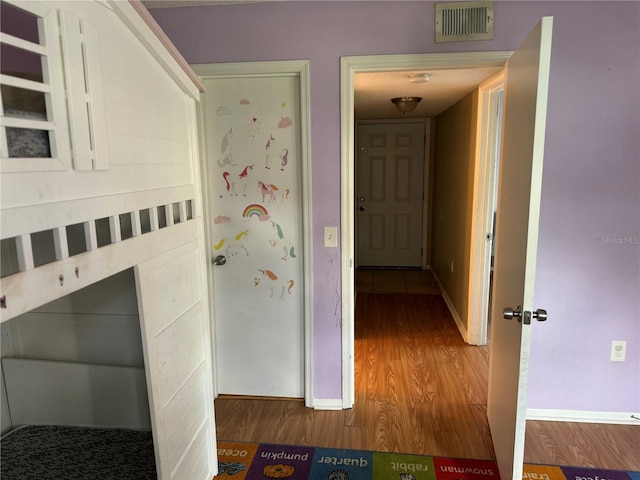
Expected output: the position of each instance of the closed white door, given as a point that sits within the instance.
(520, 184)
(389, 199)
(175, 333)
(253, 135)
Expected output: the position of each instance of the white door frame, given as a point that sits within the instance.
(484, 189)
(349, 66)
(299, 68)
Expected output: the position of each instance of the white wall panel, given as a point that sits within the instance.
(130, 120)
(175, 339)
(100, 395)
(143, 109)
(175, 364)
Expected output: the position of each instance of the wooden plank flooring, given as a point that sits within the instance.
(616, 447)
(419, 389)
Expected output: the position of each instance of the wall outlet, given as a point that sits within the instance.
(618, 350)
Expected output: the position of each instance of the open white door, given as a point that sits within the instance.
(527, 78)
(175, 337)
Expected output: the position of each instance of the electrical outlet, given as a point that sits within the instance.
(618, 350)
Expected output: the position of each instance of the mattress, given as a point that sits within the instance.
(45, 452)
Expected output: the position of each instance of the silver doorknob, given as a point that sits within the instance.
(219, 260)
(540, 315)
(508, 313)
(364, 149)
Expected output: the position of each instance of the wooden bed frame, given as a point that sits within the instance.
(121, 190)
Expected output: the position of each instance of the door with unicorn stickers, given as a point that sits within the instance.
(254, 166)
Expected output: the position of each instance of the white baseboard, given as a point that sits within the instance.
(327, 404)
(620, 418)
(452, 309)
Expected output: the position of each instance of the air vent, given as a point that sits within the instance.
(464, 21)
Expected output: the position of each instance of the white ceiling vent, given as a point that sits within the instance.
(464, 21)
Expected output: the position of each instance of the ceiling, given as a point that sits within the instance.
(196, 3)
(374, 90)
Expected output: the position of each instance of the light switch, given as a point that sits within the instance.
(330, 236)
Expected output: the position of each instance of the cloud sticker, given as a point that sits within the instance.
(285, 122)
(221, 219)
(223, 111)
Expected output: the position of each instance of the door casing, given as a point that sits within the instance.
(298, 68)
(349, 67)
(484, 194)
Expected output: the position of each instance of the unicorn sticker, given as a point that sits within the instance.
(273, 284)
(280, 242)
(268, 191)
(230, 180)
(271, 152)
(225, 150)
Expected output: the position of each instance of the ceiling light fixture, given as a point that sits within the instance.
(419, 78)
(406, 105)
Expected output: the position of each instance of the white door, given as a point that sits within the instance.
(527, 77)
(389, 198)
(175, 333)
(253, 135)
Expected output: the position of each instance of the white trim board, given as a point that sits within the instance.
(484, 188)
(327, 404)
(451, 307)
(583, 416)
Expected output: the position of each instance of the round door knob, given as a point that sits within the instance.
(540, 315)
(220, 260)
(508, 313)
(361, 208)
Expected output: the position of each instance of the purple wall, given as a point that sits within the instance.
(588, 277)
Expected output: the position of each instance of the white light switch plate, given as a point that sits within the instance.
(330, 236)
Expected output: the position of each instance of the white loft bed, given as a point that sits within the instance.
(99, 174)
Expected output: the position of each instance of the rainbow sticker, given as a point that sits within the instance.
(255, 210)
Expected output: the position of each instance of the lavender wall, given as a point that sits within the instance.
(589, 258)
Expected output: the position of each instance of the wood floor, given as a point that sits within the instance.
(419, 389)
(396, 281)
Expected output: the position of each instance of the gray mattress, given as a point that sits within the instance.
(45, 452)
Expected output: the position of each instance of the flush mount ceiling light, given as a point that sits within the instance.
(406, 105)
(419, 78)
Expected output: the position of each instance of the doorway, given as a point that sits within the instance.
(255, 124)
(406, 323)
(350, 66)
